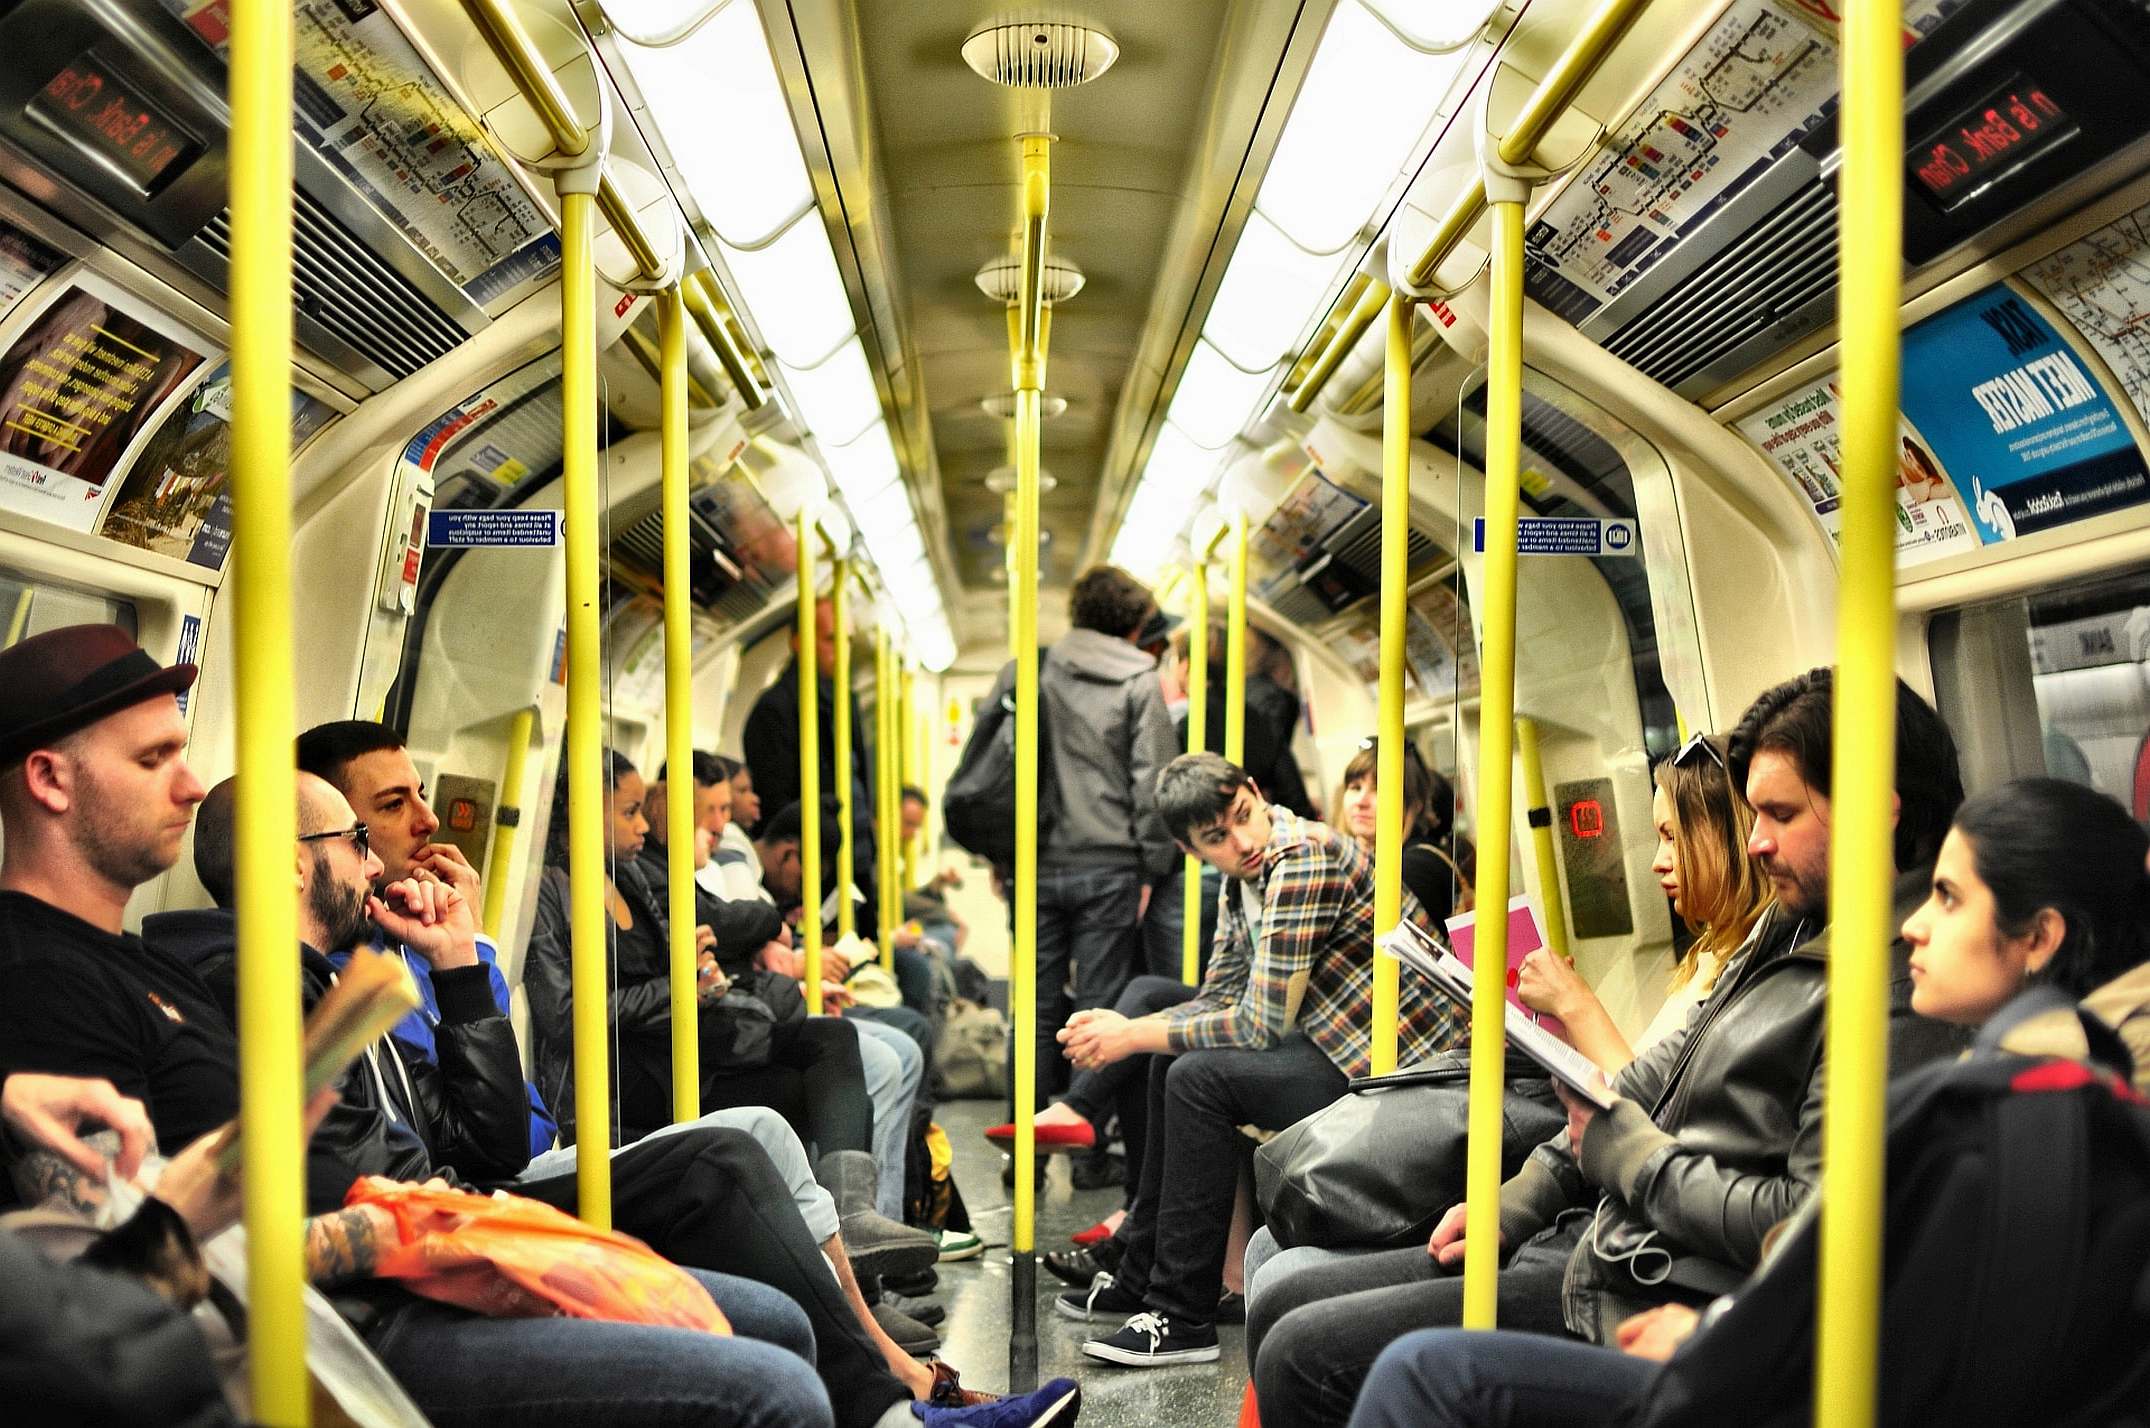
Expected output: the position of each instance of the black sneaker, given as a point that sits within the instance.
(1102, 1300)
(1149, 1339)
(1079, 1266)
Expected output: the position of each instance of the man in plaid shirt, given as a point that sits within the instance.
(1283, 1020)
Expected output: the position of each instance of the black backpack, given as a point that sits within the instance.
(2017, 1268)
(978, 806)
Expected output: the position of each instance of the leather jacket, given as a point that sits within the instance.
(639, 990)
(465, 1119)
(1716, 1137)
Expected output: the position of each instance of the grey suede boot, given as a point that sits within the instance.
(876, 1244)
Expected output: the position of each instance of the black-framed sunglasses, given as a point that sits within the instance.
(360, 834)
(1697, 745)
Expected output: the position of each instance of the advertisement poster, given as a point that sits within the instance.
(76, 387)
(24, 263)
(2019, 423)
(1802, 435)
(174, 500)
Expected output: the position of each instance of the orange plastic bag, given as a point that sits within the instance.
(511, 1258)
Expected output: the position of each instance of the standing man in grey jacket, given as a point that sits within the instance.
(1108, 736)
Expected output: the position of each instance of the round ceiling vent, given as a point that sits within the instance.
(1002, 405)
(1002, 280)
(1040, 54)
(1001, 480)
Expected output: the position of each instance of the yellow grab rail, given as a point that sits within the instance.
(1861, 844)
(809, 664)
(910, 770)
(846, 792)
(586, 798)
(1346, 337)
(679, 711)
(703, 306)
(1235, 646)
(1539, 815)
(889, 818)
(1388, 749)
(507, 820)
(273, 1162)
(1197, 740)
(1496, 738)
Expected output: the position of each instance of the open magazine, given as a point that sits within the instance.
(1417, 950)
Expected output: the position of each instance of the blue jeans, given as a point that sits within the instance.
(464, 1369)
(895, 1067)
(1456, 1378)
(1087, 938)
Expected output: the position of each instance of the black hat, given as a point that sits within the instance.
(67, 679)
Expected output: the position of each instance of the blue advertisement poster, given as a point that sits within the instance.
(2023, 430)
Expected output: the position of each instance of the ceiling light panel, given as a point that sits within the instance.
(794, 291)
(716, 95)
(1215, 398)
(1359, 114)
(836, 397)
(864, 466)
(1270, 288)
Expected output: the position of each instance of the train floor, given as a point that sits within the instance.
(977, 1295)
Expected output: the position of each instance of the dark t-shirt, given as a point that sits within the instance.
(78, 1001)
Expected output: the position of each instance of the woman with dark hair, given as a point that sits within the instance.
(813, 1074)
(2039, 883)
(1438, 863)
(1717, 890)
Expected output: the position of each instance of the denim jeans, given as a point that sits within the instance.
(1163, 953)
(1123, 1088)
(1457, 1378)
(1314, 1334)
(1087, 936)
(895, 1067)
(770, 1131)
(710, 1199)
(816, 1079)
(464, 1369)
(1176, 1234)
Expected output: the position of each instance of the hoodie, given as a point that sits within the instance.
(399, 1116)
(1108, 737)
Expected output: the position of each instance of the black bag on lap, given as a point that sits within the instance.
(739, 1030)
(2017, 1269)
(1376, 1169)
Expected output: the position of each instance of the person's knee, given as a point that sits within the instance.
(1193, 1077)
(1282, 1370)
(1423, 1380)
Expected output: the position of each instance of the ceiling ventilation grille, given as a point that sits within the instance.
(1356, 546)
(1777, 268)
(346, 288)
(1040, 54)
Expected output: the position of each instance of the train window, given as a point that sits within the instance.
(31, 606)
(2079, 657)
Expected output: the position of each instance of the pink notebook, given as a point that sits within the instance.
(1525, 936)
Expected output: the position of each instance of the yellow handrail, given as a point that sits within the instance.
(887, 770)
(1197, 740)
(1388, 749)
(273, 1165)
(909, 769)
(507, 820)
(1861, 851)
(809, 763)
(1540, 818)
(846, 814)
(1346, 337)
(586, 800)
(1235, 646)
(1029, 374)
(719, 337)
(1496, 737)
(679, 711)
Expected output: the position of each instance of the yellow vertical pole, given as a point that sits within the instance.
(1197, 738)
(507, 819)
(1496, 740)
(585, 712)
(1540, 818)
(1029, 325)
(679, 711)
(846, 813)
(809, 762)
(1388, 754)
(1235, 646)
(1861, 851)
(273, 1160)
(910, 770)
(887, 768)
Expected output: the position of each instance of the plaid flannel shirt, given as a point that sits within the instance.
(1312, 960)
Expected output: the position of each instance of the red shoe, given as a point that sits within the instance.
(1048, 1137)
(1096, 1234)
